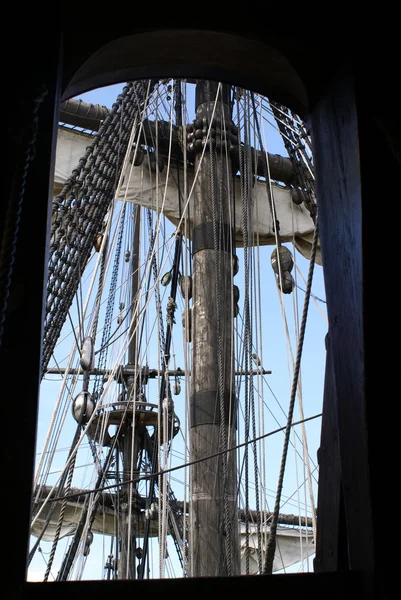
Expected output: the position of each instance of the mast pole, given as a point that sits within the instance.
(214, 538)
(127, 561)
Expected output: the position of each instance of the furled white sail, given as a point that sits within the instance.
(71, 147)
(160, 193)
(104, 522)
(293, 544)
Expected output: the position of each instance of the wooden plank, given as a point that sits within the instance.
(329, 493)
(335, 137)
(23, 325)
(295, 585)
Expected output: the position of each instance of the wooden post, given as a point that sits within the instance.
(213, 515)
(339, 185)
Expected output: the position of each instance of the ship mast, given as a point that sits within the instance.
(129, 437)
(214, 540)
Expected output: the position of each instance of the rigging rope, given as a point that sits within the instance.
(79, 210)
(102, 359)
(60, 490)
(72, 550)
(165, 344)
(60, 519)
(245, 192)
(271, 544)
(302, 164)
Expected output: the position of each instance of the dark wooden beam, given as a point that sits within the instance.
(323, 585)
(334, 123)
(27, 187)
(329, 492)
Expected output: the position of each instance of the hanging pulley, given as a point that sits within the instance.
(88, 542)
(87, 354)
(235, 265)
(298, 196)
(284, 256)
(83, 407)
(287, 282)
(176, 387)
(167, 277)
(235, 300)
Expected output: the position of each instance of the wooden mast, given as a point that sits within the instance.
(129, 438)
(214, 544)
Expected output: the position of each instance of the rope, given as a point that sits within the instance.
(271, 545)
(54, 504)
(252, 398)
(70, 555)
(245, 195)
(79, 210)
(302, 164)
(102, 358)
(187, 360)
(261, 394)
(60, 520)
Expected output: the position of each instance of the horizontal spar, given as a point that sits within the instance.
(89, 116)
(110, 501)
